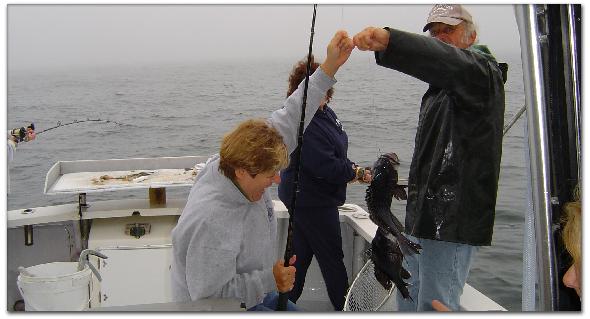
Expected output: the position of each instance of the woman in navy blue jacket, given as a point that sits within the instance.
(324, 174)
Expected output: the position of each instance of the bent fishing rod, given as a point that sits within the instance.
(284, 296)
(59, 124)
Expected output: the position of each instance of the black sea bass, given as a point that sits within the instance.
(389, 244)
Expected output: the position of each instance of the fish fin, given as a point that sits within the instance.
(381, 217)
(386, 211)
(407, 246)
(405, 273)
(397, 223)
(399, 192)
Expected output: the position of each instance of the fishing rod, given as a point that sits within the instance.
(59, 124)
(284, 296)
(514, 119)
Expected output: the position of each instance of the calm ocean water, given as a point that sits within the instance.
(180, 110)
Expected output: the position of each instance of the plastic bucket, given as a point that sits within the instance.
(57, 286)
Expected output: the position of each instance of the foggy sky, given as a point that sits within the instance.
(76, 35)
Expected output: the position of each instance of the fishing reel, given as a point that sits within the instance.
(22, 134)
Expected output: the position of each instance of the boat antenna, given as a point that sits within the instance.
(59, 124)
(284, 296)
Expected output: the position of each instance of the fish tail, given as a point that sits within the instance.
(382, 278)
(402, 287)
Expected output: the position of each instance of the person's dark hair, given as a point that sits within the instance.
(298, 75)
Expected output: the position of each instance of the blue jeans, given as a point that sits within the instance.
(438, 272)
(270, 303)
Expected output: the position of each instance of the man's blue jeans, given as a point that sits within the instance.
(438, 272)
(270, 303)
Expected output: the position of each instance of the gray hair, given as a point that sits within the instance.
(470, 27)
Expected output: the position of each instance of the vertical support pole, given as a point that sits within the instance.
(532, 36)
(28, 235)
(157, 197)
(84, 223)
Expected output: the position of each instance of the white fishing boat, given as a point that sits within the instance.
(135, 233)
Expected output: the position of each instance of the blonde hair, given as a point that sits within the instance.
(572, 227)
(254, 146)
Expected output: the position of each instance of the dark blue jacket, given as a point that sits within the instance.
(325, 169)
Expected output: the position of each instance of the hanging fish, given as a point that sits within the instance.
(387, 258)
(379, 196)
(387, 255)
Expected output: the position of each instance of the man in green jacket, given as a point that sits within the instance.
(453, 177)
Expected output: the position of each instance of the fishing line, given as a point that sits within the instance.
(59, 124)
(373, 106)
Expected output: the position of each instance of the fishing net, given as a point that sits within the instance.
(366, 293)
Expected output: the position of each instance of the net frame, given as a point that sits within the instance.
(365, 292)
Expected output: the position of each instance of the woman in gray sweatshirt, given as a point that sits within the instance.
(225, 241)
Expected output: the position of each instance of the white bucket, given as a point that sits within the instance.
(57, 286)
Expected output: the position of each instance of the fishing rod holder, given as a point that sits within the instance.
(82, 205)
(84, 223)
(28, 235)
(157, 197)
(28, 229)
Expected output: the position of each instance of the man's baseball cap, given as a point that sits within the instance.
(451, 14)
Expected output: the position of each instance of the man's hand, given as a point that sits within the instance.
(338, 51)
(372, 39)
(284, 276)
(23, 134)
(367, 176)
(30, 134)
(439, 306)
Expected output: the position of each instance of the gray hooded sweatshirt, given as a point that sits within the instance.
(224, 246)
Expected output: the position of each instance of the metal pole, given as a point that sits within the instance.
(531, 41)
(575, 70)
